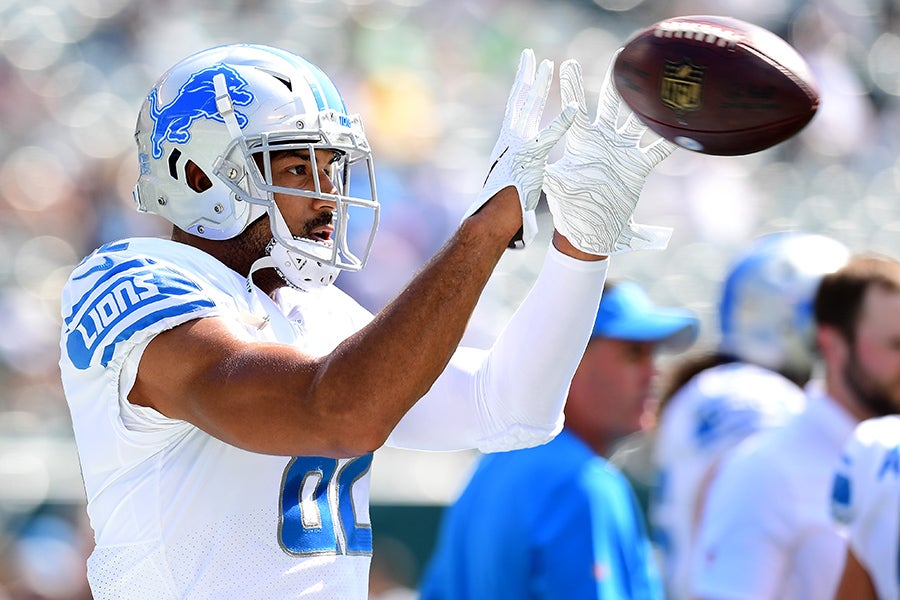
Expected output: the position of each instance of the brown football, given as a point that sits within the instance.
(716, 85)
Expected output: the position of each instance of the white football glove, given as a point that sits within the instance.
(593, 189)
(520, 154)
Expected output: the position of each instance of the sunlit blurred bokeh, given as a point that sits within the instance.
(430, 78)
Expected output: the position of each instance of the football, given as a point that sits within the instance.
(716, 85)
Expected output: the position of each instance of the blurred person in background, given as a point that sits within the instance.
(226, 398)
(391, 571)
(864, 499)
(45, 559)
(558, 520)
(713, 401)
(766, 532)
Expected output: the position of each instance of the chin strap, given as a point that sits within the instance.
(265, 262)
(248, 317)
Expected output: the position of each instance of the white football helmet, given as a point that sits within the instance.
(766, 309)
(221, 107)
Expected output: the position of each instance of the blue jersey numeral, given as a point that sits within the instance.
(318, 514)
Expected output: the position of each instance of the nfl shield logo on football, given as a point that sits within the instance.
(681, 85)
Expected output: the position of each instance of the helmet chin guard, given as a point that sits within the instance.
(300, 271)
(226, 110)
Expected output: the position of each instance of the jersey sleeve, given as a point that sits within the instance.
(115, 299)
(866, 497)
(738, 400)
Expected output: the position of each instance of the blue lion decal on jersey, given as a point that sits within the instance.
(195, 100)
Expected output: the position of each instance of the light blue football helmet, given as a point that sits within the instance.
(222, 107)
(766, 308)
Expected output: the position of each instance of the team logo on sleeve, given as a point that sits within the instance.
(890, 465)
(125, 299)
(195, 100)
(842, 492)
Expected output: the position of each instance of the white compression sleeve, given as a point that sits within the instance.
(512, 396)
(530, 366)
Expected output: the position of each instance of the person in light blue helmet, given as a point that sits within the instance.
(558, 520)
(750, 383)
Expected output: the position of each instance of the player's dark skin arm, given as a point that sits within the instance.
(273, 398)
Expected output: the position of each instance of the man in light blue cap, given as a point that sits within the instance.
(558, 520)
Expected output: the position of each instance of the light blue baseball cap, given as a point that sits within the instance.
(627, 313)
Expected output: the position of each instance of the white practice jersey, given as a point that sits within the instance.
(714, 411)
(178, 513)
(866, 500)
(766, 532)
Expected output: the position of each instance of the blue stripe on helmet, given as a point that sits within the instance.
(325, 92)
(332, 96)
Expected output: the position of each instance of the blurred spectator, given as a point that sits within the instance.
(47, 558)
(391, 571)
(750, 383)
(766, 532)
(559, 521)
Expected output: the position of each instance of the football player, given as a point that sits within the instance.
(226, 397)
(766, 532)
(751, 383)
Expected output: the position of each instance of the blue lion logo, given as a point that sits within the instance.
(195, 100)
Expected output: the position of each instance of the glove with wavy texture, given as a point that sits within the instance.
(520, 154)
(592, 191)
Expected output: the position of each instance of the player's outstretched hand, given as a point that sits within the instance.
(592, 191)
(520, 154)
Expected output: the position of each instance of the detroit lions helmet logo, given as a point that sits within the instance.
(195, 100)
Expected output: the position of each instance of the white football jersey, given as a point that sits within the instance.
(866, 499)
(176, 512)
(714, 411)
(766, 533)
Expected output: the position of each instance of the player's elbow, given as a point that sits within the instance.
(363, 444)
(363, 432)
(359, 420)
(352, 429)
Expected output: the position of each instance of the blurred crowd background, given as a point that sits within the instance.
(430, 78)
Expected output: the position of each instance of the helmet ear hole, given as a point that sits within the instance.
(196, 179)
